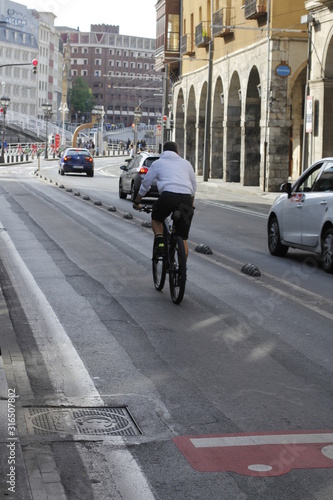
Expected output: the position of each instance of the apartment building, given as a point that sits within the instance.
(18, 47)
(120, 70)
(238, 77)
(25, 35)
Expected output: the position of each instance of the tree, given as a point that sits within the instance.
(81, 96)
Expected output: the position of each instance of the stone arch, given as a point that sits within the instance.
(190, 131)
(179, 122)
(327, 107)
(233, 131)
(252, 130)
(201, 129)
(217, 131)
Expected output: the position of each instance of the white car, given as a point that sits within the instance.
(302, 217)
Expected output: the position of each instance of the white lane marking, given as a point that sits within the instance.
(328, 451)
(260, 468)
(221, 442)
(67, 371)
(234, 209)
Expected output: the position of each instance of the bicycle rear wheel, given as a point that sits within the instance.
(177, 271)
(159, 271)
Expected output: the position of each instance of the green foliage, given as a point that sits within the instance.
(81, 96)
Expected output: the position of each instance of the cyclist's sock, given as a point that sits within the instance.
(159, 243)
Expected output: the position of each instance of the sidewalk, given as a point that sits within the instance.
(218, 189)
(14, 482)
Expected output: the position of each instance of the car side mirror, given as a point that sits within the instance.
(286, 188)
(123, 167)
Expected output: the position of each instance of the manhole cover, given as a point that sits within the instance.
(80, 421)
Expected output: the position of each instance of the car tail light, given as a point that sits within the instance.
(143, 170)
(67, 158)
(88, 158)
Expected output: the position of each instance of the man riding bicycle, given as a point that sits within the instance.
(176, 184)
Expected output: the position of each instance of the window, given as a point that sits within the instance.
(98, 62)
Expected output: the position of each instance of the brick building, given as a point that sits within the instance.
(120, 70)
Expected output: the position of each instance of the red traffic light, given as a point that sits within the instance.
(165, 118)
(34, 66)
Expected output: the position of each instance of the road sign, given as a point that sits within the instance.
(258, 454)
(57, 141)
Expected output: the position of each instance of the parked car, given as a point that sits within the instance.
(302, 217)
(133, 174)
(76, 160)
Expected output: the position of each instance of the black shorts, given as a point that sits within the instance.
(167, 202)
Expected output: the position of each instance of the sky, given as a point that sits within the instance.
(134, 17)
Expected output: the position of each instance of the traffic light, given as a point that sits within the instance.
(34, 66)
(165, 121)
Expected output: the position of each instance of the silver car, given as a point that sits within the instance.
(302, 217)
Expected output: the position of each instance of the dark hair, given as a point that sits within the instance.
(170, 146)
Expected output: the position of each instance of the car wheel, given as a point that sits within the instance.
(122, 195)
(274, 242)
(327, 251)
(134, 192)
(90, 174)
(62, 171)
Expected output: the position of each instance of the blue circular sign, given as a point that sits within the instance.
(283, 70)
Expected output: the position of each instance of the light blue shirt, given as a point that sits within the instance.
(172, 173)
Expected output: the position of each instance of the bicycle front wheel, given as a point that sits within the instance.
(177, 271)
(159, 271)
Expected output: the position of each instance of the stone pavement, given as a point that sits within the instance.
(44, 478)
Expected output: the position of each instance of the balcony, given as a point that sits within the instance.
(186, 45)
(202, 34)
(255, 9)
(221, 23)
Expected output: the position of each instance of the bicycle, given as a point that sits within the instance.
(173, 261)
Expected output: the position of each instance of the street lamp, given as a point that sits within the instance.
(5, 101)
(47, 110)
(64, 109)
(99, 113)
(137, 119)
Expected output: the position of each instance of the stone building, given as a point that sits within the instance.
(238, 79)
(320, 88)
(120, 71)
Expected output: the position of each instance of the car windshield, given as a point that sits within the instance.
(149, 161)
(81, 152)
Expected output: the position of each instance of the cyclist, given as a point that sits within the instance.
(176, 184)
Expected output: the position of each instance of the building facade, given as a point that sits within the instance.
(18, 48)
(120, 70)
(26, 35)
(320, 84)
(238, 102)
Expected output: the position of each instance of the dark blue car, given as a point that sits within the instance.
(76, 160)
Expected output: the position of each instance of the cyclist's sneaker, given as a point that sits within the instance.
(159, 246)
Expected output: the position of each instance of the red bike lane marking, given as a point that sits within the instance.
(258, 454)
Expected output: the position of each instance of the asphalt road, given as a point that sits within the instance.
(125, 395)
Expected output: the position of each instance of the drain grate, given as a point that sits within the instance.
(80, 421)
